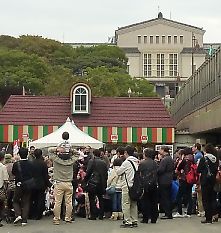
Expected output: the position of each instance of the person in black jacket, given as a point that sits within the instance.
(98, 169)
(22, 170)
(208, 166)
(148, 170)
(41, 177)
(165, 177)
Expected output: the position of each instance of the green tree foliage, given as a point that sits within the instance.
(18, 69)
(48, 67)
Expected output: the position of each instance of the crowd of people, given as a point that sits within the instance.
(96, 184)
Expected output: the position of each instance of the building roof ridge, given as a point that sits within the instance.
(159, 19)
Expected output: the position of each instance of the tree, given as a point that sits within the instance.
(116, 82)
(18, 69)
(48, 67)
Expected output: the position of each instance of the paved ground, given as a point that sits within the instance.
(192, 225)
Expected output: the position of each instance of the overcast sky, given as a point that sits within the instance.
(96, 20)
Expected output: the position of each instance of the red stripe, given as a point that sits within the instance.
(20, 132)
(139, 134)
(35, 132)
(124, 135)
(5, 133)
(109, 132)
(154, 135)
(95, 133)
(50, 129)
(169, 135)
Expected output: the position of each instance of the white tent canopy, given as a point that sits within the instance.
(76, 137)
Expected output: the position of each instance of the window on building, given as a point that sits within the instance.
(160, 65)
(157, 39)
(163, 39)
(80, 100)
(169, 39)
(173, 65)
(145, 39)
(175, 39)
(181, 39)
(151, 39)
(147, 65)
(139, 39)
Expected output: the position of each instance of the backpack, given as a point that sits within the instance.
(149, 180)
(136, 191)
(192, 176)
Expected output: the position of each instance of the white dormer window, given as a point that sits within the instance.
(80, 98)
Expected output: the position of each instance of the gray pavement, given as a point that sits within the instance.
(45, 225)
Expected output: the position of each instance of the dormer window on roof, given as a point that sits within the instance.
(80, 98)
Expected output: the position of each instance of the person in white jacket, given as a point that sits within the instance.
(127, 172)
(114, 190)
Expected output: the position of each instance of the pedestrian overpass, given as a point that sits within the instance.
(196, 109)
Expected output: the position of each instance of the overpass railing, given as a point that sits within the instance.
(201, 88)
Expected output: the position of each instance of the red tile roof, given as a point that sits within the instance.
(105, 111)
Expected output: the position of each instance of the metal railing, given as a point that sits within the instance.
(202, 87)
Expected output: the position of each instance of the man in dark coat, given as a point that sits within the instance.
(23, 171)
(97, 168)
(41, 177)
(149, 201)
(165, 177)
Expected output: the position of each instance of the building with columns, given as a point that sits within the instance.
(163, 51)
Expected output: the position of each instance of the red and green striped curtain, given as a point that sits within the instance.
(9, 133)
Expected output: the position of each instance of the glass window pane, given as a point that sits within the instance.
(151, 39)
(77, 107)
(139, 39)
(83, 107)
(83, 100)
(77, 99)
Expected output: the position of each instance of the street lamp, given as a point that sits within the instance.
(129, 92)
(193, 47)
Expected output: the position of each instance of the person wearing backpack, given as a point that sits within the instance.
(148, 172)
(126, 170)
(208, 167)
(186, 171)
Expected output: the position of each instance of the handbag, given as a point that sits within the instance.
(26, 185)
(2, 194)
(111, 190)
(29, 184)
(92, 184)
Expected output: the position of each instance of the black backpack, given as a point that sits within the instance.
(149, 180)
(137, 190)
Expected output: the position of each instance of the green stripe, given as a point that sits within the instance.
(15, 132)
(164, 135)
(149, 134)
(119, 132)
(1, 133)
(134, 135)
(105, 134)
(45, 130)
(30, 131)
(90, 131)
